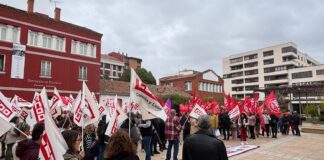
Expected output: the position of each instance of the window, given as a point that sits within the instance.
(47, 41)
(251, 72)
(236, 60)
(74, 46)
(83, 73)
(249, 57)
(45, 68)
(92, 50)
(267, 53)
(83, 49)
(188, 86)
(268, 61)
(114, 67)
(119, 74)
(249, 65)
(320, 72)
(33, 38)
(59, 44)
(2, 64)
(298, 75)
(3, 32)
(289, 49)
(205, 87)
(102, 65)
(15, 34)
(114, 74)
(200, 87)
(119, 68)
(107, 66)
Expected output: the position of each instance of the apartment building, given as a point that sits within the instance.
(111, 67)
(262, 68)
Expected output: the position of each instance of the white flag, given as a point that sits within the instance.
(234, 112)
(118, 117)
(197, 111)
(56, 104)
(37, 113)
(77, 110)
(6, 111)
(148, 103)
(5, 126)
(53, 144)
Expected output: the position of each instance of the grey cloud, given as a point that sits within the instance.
(194, 34)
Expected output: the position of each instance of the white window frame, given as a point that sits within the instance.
(33, 38)
(83, 49)
(3, 32)
(15, 35)
(200, 87)
(47, 41)
(59, 44)
(74, 46)
(83, 70)
(46, 68)
(188, 86)
(4, 64)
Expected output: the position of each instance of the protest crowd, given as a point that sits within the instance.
(67, 128)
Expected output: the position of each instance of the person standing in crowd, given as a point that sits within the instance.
(132, 127)
(186, 124)
(243, 123)
(234, 128)
(120, 147)
(285, 124)
(290, 124)
(155, 138)
(102, 138)
(90, 142)
(147, 133)
(274, 125)
(162, 134)
(193, 125)
(257, 125)
(214, 122)
(73, 140)
(25, 128)
(203, 145)
(296, 122)
(225, 123)
(252, 121)
(266, 119)
(172, 131)
(29, 149)
(11, 137)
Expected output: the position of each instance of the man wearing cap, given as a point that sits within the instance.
(203, 144)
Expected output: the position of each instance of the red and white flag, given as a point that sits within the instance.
(85, 107)
(5, 126)
(56, 104)
(148, 103)
(6, 112)
(272, 103)
(235, 112)
(37, 113)
(117, 118)
(197, 111)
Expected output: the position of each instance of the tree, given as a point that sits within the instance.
(146, 76)
(176, 98)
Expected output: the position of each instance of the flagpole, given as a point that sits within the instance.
(18, 129)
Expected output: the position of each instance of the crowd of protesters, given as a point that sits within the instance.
(199, 136)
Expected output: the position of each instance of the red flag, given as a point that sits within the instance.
(227, 102)
(272, 104)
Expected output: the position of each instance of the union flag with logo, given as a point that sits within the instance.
(272, 103)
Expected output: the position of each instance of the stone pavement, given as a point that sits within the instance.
(307, 147)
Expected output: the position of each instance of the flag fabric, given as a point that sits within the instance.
(6, 112)
(85, 108)
(5, 126)
(56, 104)
(167, 106)
(255, 103)
(23, 103)
(117, 118)
(197, 111)
(235, 112)
(148, 103)
(227, 101)
(37, 113)
(272, 103)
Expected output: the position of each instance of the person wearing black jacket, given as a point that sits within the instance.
(225, 123)
(184, 122)
(203, 144)
(274, 124)
(102, 138)
(155, 138)
(296, 122)
(285, 124)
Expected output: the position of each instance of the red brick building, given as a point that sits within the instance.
(205, 84)
(57, 53)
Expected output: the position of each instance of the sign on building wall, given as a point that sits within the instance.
(18, 61)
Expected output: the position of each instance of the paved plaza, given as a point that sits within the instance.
(307, 147)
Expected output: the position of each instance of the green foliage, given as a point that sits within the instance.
(146, 76)
(312, 110)
(176, 98)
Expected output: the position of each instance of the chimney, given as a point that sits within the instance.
(30, 4)
(57, 15)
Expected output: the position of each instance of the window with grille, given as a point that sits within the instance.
(45, 68)
(83, 73)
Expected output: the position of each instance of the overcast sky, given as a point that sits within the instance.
(170, 35)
